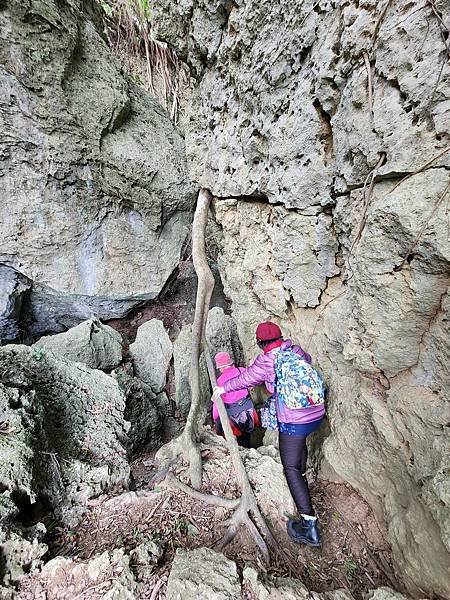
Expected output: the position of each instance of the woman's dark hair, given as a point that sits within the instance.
(264, 343)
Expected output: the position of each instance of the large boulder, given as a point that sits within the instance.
(182, 350)
(222, 335)
(202, 573)
(96, 201)
(146, 412)
(69, 433)
(151, 353)
(96, 345)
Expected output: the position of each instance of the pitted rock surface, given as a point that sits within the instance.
(96, 197)
(304, 123)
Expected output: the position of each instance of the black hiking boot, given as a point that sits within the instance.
(304, 531)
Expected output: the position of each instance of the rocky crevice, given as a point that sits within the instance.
(284, 112)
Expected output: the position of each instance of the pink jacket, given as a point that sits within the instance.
(262, 370)
(231, 397)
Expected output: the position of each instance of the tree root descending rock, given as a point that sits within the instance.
(246, 510)
(187, 444)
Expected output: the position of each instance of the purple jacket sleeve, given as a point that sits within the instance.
(298, 350)
(255, 374)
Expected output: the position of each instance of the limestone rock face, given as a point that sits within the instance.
(151, 353)
(203, 573)
(96, 345)
(304, 123)
(263, 466)
(69, 431)
(96, 199)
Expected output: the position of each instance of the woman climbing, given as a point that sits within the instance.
(287, 378)
(241, 413)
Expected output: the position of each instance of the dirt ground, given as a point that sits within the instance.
(354, 555)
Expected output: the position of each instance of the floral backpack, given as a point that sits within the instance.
(298, 384)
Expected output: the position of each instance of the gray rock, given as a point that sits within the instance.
(284, 588)
(202, 573)
(109, 573)
(280, 115)
(275, 499)
(20, 557)
(144, 558)
(97, 199)
(385, 593)
(145, 411)
(151, 354)
(221, 335)
(13, 286)
(70, 433)
(96, 345)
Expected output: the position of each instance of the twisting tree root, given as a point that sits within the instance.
(205, 285)
(246, 510)
(187, 443)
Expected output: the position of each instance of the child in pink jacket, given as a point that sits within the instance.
(242, 415)
(294, 426)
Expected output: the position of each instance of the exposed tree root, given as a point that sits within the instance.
(187, 443)
(424, 226)
(246, 511)
(369, 85)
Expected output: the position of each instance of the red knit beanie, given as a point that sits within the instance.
(268, 331)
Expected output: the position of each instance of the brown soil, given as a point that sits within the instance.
(175, 307)
(355, 554)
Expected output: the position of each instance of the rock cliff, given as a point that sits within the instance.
(322, 129)
(96, 199)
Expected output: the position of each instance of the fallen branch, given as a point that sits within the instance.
(156, 589)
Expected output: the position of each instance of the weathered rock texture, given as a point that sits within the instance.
(95, 195)
(146, 411)
(298, 109)
(69, 438)
(96, 345)
(203, 573)
(151, 354)
(66, 443)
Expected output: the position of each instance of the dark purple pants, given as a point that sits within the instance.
(294, 454)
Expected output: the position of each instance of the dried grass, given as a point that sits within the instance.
(151, 63)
